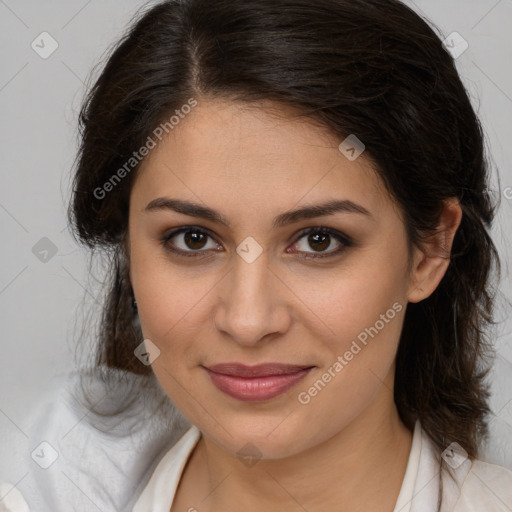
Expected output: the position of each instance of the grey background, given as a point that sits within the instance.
(41, 302)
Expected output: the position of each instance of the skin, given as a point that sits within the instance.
(251, 163)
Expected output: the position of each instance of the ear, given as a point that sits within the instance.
(430, 264)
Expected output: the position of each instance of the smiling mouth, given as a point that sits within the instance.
(259, 370)
(257, 383)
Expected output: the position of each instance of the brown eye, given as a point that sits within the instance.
(188, 241)
(320, 239)
(319, 242)
(194, 240)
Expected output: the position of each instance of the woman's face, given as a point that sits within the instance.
(262, 288)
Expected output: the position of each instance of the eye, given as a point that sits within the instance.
(192, 241)
(320, 239)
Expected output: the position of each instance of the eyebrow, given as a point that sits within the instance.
(284, 219)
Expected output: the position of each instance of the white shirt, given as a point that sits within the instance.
(133, 463)
(480, 486)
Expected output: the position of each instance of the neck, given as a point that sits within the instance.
(361, 468)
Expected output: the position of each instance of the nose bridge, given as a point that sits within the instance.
(250, 307)
(250, 278)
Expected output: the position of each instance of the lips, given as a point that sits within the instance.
(256, 383)
(260, 370)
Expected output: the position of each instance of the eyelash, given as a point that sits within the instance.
(343, 239)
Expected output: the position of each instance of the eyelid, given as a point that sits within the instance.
(183, 229)
(340, 237)
(343, 239)
(324, 229)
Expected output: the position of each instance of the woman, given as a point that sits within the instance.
(294, 198)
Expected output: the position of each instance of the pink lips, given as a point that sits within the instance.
(256, 383)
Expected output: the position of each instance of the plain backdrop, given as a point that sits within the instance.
(43, 273)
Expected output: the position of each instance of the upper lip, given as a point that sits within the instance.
(260, 370)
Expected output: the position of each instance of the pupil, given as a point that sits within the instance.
(192, 237)
(313, 239)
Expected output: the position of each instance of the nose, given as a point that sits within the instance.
(252, 303)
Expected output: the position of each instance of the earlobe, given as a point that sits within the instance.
(431, 263)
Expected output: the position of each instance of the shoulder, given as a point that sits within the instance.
(93, 442)
(160, 491)
(11, 499)
(486, 487)
(465, 484)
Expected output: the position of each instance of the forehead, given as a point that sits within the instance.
(260, 156)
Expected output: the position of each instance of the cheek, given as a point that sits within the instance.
(357, 299)
(172, 314)
(169, 299)
(341, 303)
(358, 325)
(365, 318)
(172, 302)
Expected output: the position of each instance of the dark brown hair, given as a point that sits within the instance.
(373, 68)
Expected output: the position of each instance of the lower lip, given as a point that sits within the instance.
(256, 389)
